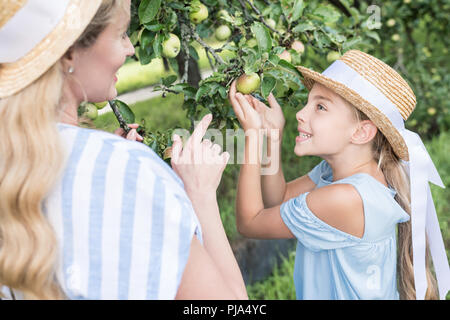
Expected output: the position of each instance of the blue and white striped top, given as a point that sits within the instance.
(123, 221)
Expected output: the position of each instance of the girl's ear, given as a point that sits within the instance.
(364, 133)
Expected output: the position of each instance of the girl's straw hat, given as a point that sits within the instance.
(34, 34)
(385, 79)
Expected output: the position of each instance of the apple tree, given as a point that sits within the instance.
(263, 41)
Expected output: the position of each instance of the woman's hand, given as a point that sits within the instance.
(200, 163)
(271, 118)
(132, 134)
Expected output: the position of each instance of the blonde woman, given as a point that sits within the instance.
(85, 214)
(372, 181)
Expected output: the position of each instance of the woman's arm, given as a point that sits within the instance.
(217, 248)
(200, 165)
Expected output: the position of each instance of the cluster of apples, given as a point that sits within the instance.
(91, 109)
(171, 47)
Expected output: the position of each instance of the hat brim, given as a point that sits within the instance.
(379, 119)
(18, 75)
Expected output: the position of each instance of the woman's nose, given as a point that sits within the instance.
(130, 48)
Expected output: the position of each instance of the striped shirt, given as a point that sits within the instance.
(123, 221)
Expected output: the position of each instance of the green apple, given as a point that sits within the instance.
(395, 37)
(286, 55)
(171, 47)
(333, 56)
(298, 46)
(101, 105)
(252, 42)
(391, 22)
(199, 12)
(247, 83)
(223, 32)
(91, 111)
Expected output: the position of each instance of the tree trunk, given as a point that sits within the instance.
(194, 75)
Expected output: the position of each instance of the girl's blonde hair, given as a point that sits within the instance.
(397, 177)
(32, 159)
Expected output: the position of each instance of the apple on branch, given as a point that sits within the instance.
(248, 83)
(223, 33)
(199, 12)
(171, 47)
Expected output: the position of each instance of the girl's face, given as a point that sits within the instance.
(325, 124)
(95, 68)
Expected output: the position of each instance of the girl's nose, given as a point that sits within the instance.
(300, 115)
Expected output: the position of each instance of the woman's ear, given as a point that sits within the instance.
(364, 133)
(68, 59)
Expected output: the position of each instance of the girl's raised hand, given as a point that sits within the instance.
(248, 117)
(200, 163)
(272, 117)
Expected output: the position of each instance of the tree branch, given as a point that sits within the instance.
(260, 17)
(204, 45)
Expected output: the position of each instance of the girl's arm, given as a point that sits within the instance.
(249, 202)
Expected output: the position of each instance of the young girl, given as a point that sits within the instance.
(344, 213)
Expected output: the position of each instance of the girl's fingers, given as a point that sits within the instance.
(234, 102)
(273, 103)
(245, 105)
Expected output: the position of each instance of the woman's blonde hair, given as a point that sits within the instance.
(32, 159)
(397, 177)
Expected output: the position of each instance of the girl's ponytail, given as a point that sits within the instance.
(397, 177)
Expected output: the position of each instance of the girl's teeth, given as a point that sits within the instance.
(304, 135)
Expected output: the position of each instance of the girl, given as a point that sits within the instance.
(85, 214)
(345, 212)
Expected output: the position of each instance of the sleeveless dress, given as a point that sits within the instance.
(332, 264)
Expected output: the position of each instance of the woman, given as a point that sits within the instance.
(85, 214)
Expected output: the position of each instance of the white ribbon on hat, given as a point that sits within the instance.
(421, 170)
(29, 26)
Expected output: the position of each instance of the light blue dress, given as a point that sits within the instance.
(332, 264)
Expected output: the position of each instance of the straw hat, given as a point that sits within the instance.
(382, 77)
(34, 34)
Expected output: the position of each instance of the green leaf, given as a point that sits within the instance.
(328, 14)
(127, 114)
(193, 53)
(169, 80)
(304, 26)
(267, 86)
(373, 35)
(263, 38)
(203, 90)
(157, 45)
(148, 10)
(299, 5)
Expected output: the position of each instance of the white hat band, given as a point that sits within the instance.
(40, 17)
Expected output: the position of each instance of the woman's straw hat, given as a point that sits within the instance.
(382, 77)
(55, 32)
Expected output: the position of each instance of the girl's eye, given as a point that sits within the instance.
(125, 35)
(321, 107)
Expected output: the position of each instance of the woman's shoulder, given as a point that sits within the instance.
(89, 151)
